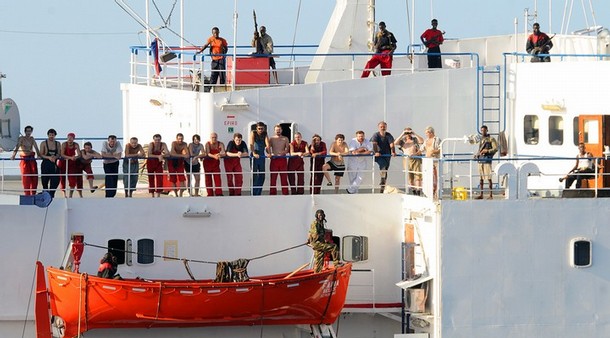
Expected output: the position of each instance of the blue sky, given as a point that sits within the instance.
(65, 59)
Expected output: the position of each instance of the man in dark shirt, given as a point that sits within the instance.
(385, 45)
(538, 43)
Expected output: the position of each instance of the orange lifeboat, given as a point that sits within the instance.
(81, 302)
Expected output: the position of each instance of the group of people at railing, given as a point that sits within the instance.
(178, 168)
(63, 164)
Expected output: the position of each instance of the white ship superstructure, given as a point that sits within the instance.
(529, 263)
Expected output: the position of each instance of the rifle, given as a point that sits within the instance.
(538, 49)
(258, 46)
(433, 40)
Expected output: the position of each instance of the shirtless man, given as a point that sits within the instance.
(87, 155)
(211, 165)
(131, 164)
(179, 152)
(337, 164)
(157, 151)
(280, 147)
(29, 168)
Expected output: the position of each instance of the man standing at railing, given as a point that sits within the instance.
(487, 149)
(385, 45)
(432, 38)
(111, 152)
(218, 47)
(538, 43)
(383, 144)
(280, 147)
(259, 143)
(359, 147)
(29, 168)
(317, 150)
(264, 46)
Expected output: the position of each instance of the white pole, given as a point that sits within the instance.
(181, 58)
(550, 16)
(148, 58)
(234, 48)
(516, 23)
(412, 34)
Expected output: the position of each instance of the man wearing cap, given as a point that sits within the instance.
(385, 45)
(487, 149)
(318, 242)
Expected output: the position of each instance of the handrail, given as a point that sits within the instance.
(453, 173)
(176, 73)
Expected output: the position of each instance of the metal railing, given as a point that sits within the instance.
(456, 178)
(182, 71)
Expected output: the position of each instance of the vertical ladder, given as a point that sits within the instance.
(323, 331)
(491, 100)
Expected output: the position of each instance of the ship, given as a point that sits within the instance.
(528, 262)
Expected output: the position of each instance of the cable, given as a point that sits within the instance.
(62, 33)
(27, 311)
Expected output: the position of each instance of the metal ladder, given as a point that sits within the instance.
(322, 331)
(491, 100)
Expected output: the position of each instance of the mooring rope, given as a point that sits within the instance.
(187, 259)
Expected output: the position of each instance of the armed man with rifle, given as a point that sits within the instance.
(432, 38)
(385, 45)
(264, 45)
(539, 43)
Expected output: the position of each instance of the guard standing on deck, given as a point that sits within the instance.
(318, 242)
(385, 45)
(433, 38)
(538, 43)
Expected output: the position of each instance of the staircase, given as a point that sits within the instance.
(322, 331)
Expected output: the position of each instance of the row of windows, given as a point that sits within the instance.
(355, 249)
(122, 250)
(556, 132)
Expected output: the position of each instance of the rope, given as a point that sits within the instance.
(277, 252)
(169, 16)
(188, 269)
(27, 311)
(330, 296)
(186, 259)
(294, 36)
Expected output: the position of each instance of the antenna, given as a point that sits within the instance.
(2, 76)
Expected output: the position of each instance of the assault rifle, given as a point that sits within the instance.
(257, 38)
(538, 49)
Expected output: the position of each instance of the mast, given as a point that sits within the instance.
(371, 24)
(2, 76)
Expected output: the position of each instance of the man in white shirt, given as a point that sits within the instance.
(359, 147)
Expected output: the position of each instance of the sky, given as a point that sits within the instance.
(64, 60)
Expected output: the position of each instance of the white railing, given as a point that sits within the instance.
(457, 178)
